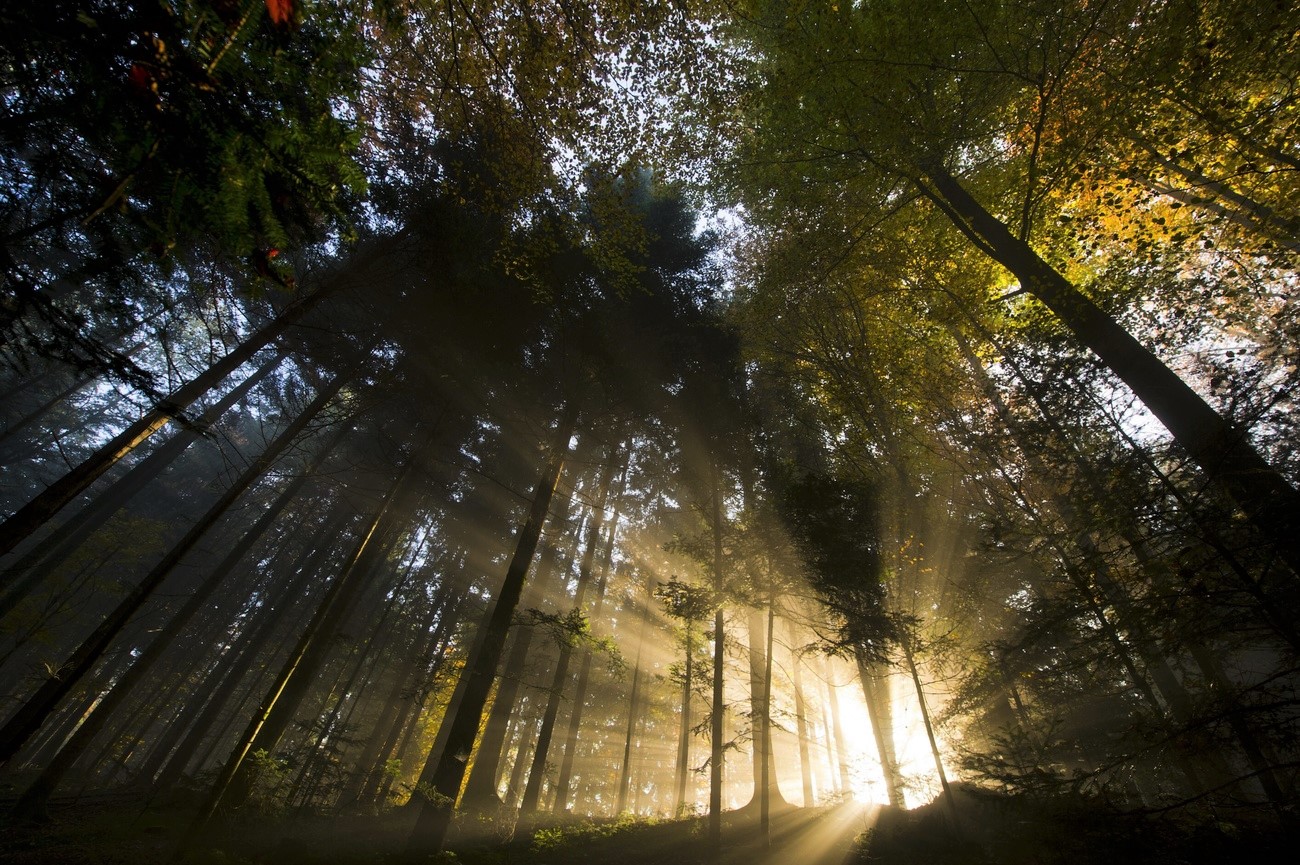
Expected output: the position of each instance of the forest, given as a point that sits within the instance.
(822, 432)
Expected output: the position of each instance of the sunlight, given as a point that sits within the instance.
(916, 765)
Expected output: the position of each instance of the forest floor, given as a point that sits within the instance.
(117, 831)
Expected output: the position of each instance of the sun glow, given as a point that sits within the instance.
(920, 781)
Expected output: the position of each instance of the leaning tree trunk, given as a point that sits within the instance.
(924, 704)
(277, 709)
(433, 815)
(533, 789)
(481, 788)
(45, 556)
(880, 713)
(33, 713)
(170, 763)
(39, 510)
(1223, 452)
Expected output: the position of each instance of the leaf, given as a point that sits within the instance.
(281, 11)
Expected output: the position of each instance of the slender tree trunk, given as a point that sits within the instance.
(433, 817)
(841, 745)
(800, 719)
(921, 700)
(718, 706)
(1223, 452)
(33, 713)
(527, 738)
(766, 776)
(481, 788)
(633, 709)
(684, 731)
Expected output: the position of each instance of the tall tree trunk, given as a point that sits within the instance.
(33, 713)
(716, 745)
(433, 817)
(633, 709)
(841, 744)
(481, 788)
(1223, 452)
(766, 777)
(800, 718)
(684, 730)
(759, 666)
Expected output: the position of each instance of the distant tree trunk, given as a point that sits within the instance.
(33, 713)
(767, 777)
(718, 706)
(759, 666)
(800, 718)
(433, 817)
(841, 746)
(277, 709)
(229, 674)
(35, 513)
(684, 732)
(44, 557)
(1223, 452)
(633, 708)
(14, 427)
(527, 737)
(33, 801)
